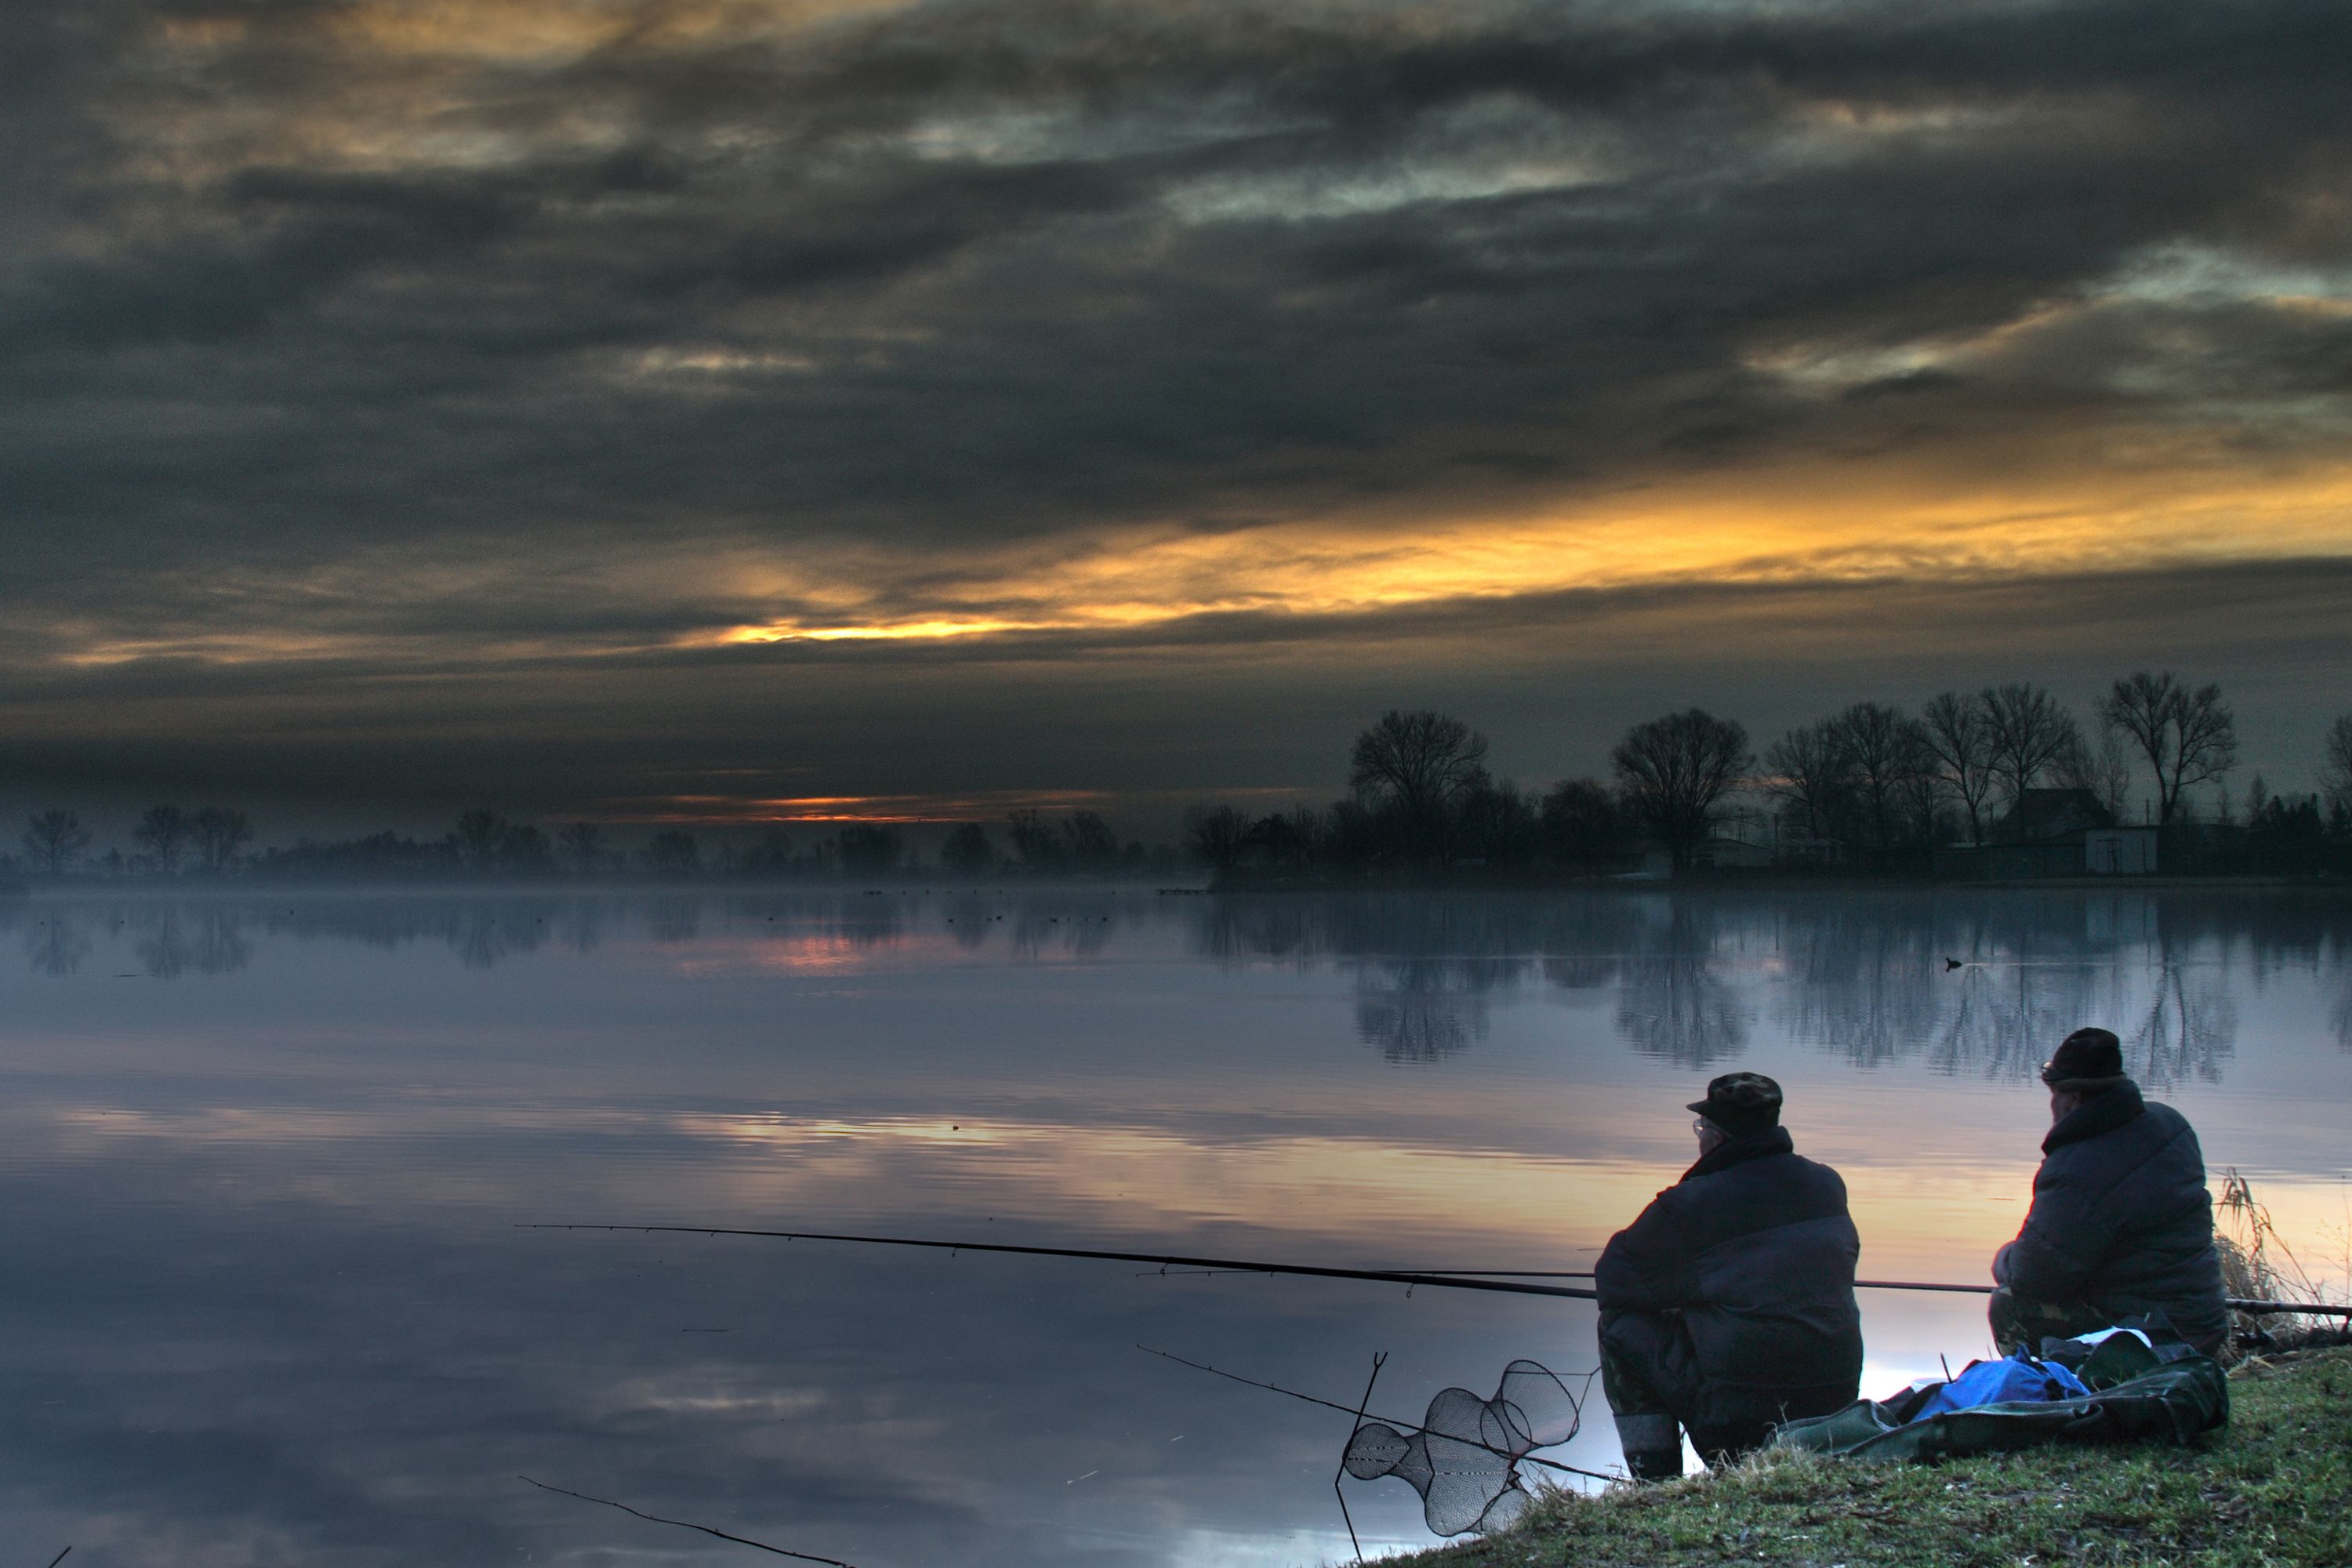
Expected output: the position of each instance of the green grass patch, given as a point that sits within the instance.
(2274, 1488)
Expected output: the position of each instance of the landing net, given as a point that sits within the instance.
(1464, 1459)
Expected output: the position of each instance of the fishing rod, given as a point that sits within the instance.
(1506, 1280)
(1166, 1259)
(1502, 1280)
(2235, 1303)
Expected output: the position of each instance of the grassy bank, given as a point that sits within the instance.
(2276, 1488)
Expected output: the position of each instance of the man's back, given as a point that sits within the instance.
(2122, 1222)
(1755, 1251)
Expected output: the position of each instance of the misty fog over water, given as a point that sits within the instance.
(262, 1160)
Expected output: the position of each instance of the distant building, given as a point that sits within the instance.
(1720, 853)
(2051, 817)
(2054, 833)
(2120, 851)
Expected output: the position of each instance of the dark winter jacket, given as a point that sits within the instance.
(1754, 1249)
(2121, 1220)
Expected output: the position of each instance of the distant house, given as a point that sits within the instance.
(2054, 833)
(1722, 853)
(2051, 816)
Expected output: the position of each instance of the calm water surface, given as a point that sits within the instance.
(261, 1162)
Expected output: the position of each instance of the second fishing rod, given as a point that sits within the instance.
(1516, 1282)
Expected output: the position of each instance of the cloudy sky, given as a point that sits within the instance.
(680, 408)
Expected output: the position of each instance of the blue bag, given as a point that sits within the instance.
(2019, 1380)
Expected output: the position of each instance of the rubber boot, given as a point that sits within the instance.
(1655, 1464)
(1653, 1443)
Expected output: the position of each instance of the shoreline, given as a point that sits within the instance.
(2266, 1489)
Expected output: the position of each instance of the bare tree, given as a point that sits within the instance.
(1808, 770)
(166, 830)
(1960, 739)
(53, 838)
(1039, 847)
(968, 851)
(1422, 762)
(1673, 771)
(672, 852)
(1089, 841)
(2105, 769)
(583, 843)
(2029, 730)
(220, 834)
(1582, 825)
(1215, 835)
(478, 837)
(1919, 788)
(1881, 747)
(2335, 762)
(869, 848)
(2189, 737)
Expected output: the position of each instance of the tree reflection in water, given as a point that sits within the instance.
(56, 944)
(1423, 1010)
(1979, 982)
(203, 936)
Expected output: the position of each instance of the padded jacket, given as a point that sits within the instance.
(2121, 1221)
(1754, 1249)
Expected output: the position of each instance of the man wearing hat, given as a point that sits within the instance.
(1727, 1306)
(2121, 1223)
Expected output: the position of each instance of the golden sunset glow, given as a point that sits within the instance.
(462, 375)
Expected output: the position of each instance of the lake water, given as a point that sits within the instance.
(262, 1160)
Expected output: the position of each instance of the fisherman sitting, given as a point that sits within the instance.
(1727, 1306)
(2121, 1223)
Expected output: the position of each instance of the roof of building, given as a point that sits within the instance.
(2044, 815)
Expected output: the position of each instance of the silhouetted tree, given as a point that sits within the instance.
(1088, 842)
(1882, 751)
(164, 829)
(869, 848)
(1810, 770)
(52, 839)
(2335, 762)
(968, 851)
(2029, 731)
(1421, 763)
(1960, 739)
(2189, 737)
(673, 852)
(1038, 845)
(1673, 771)
(477, 836)
(221, 834)
(1919, 787)
(582, 844)
(1215, 835)
(1285, 841)
(1581, 824)
(1496, 823)
(2105, 769)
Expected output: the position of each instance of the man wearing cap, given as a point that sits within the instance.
(2121, 1223)
(1727, 1306)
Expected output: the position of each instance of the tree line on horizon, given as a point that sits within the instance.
(1871, 784)
(1877, 783)
(177, 844)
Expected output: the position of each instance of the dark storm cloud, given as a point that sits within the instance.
(410, 341)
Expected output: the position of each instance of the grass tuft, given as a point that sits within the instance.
(2269, 1491)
